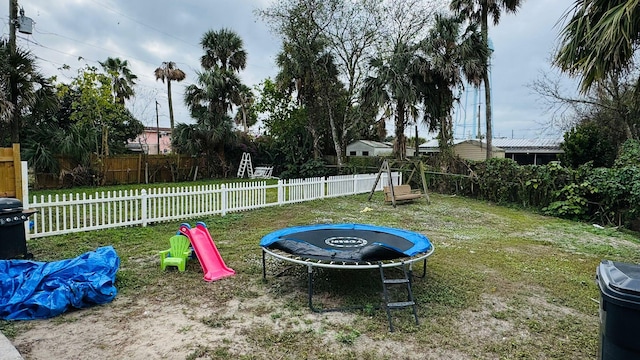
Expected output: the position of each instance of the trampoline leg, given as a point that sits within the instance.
(424, 269)
(264, 267)
(310, 288)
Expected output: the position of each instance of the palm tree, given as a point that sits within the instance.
(122, 78)
(23, 87)
(478, 12)
(217, 90)
(6, 107)
(395, 85)
(455, 56)
(223, 50)
(245, 116)
(599, 40)
(169, 72)
(210, 101)
(206, 137)
(308, 69)
(214, 92)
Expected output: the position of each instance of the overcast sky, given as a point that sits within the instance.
(146, 33)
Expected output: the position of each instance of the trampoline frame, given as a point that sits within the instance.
(311, 263)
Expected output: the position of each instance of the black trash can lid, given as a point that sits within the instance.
(10, 205)
(619, 280)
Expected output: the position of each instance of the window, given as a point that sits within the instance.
(352, 153)
(365, 153)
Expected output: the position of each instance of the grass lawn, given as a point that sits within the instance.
(502, 284)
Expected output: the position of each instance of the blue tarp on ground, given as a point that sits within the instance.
(39, 290)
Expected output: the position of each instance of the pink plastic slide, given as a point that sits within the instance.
(210, 259)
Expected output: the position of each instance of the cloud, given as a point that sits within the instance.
(148, 33)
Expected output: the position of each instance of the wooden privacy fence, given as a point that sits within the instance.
(128, 169)
(81, 212)
(138, 169)
(10, 172)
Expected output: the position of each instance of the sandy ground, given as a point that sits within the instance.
(132, 329)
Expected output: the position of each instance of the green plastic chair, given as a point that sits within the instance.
(177, 255)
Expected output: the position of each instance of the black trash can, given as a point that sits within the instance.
(13, 239)
(619, 310)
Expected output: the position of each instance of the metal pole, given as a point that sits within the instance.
(417, 144)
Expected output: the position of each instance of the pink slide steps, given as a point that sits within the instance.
(209, 256)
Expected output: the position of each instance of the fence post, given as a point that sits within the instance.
(143, 207)
(280, 192)
(323, 183)
(223, 199)
(24, 168)
(355, 184)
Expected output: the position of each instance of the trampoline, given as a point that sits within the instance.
(346, 246)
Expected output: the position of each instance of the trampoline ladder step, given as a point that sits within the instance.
(389, 305)
(400, 304)
(396, 281)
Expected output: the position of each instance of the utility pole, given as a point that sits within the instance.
(13, 86)
(13, 23)
(24, 26)
(158, 127)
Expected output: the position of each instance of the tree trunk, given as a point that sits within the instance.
(399, 148)
(312, 121)
(485, 80)
(446, 133)
(334, 135)
(487, 97)
(170, 106)
(105, 140)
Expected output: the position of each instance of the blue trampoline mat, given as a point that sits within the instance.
(347, 242)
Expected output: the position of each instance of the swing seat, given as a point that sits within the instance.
(402, 193)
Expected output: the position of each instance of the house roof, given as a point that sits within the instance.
(155, 129)
(529, 145)
(509, 145)
(374, 144)
(432, 145)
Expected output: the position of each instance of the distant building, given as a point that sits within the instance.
(469, 149)
(523, 151)
(531, 151)
(147, 142)
(369, 148)
(374, 148)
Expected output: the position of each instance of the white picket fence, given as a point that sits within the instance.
(68, 213)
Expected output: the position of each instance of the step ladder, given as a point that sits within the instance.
(245, 165)
(393, 305)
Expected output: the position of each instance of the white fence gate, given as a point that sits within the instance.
(62, 214)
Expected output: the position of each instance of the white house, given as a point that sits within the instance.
(369, 148)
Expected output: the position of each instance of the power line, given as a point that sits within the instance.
(95, 46)
(78, 56)
(145, 25)
(36, 43)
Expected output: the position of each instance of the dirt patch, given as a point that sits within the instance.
(489, 322)
(132, 329)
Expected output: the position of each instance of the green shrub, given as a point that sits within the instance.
(573, 202)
